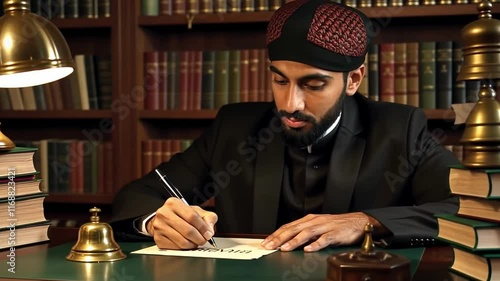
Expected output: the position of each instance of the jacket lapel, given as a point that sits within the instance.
(345, 161)
(268, 178)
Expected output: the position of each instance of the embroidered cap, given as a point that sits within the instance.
(321, 33)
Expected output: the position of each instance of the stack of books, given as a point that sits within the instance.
(474, 231)
(22, 218)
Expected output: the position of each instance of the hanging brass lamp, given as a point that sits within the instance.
(481, 61)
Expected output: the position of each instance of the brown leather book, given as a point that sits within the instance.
(151, 80)
(387, 72)
(412, 73)
(184, 80)
(400, 76)
(162, 80)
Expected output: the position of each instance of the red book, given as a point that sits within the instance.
(184, 80)
(197, 82)
(162, 80)
(151, 80)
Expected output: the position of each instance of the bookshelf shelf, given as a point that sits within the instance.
(69, 198)
(215, 18)
(263, 17)
(55, 114)
(178, 114)
(79, 23)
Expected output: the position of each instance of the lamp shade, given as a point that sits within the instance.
(32, 49)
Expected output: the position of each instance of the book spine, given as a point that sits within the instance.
(248, 6)
(400, 76)
(427, 71)
(387, 72)
(162, 80)
(150, 7)
(208, 80)
(458, 86)
(444, 74)
(261, 5)
(234, 76)
(86, 9)
(151, 80)
(221, 78)
(184, 80)
(245, 74)
(206, 6)
(197, 80)
(412, 74)
(373, 72)
(165, 7)
(173, 80)
(253, 76)
(104, 8)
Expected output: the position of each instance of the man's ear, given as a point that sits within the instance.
(354, 80)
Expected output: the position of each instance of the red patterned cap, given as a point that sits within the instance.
(321, 33)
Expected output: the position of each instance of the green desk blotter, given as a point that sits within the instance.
(51, 264)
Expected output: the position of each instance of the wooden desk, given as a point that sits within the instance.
(48, 261)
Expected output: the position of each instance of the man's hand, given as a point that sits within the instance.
(322, 231)
(178, 226)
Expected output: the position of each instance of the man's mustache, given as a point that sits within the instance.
(297, 116)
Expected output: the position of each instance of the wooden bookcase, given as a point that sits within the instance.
(126, 35)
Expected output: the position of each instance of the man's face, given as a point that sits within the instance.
(308, 100)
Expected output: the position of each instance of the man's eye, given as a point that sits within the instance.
(315, 87)
(280, 82)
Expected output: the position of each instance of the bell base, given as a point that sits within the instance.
(481, 156)
(95, 256)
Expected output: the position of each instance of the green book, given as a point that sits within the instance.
(17, 161)
(476, 183)
(208, 80)
(150, 7)
(484, 266)
(234, 76)
(221, 78)
(471, 234)
(427, 78)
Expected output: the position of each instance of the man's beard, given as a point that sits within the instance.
(302, 138)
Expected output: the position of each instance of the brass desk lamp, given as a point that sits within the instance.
(32, 51)
(481, 54)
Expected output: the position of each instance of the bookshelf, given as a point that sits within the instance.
(126, 35)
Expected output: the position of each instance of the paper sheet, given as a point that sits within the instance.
(462, 111)
(228, 248)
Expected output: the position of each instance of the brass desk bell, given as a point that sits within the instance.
(95, 242)
(367, 264)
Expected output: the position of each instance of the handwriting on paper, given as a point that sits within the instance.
(229, 248)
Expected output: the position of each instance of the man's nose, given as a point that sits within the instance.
(294, 99)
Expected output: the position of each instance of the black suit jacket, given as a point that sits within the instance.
(384, 162)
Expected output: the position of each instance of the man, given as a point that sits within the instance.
(309, 169)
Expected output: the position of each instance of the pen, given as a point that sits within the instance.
(174, 192)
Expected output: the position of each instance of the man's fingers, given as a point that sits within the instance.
(287, 232)
(322, 242)
(168, 238)
(304, 236)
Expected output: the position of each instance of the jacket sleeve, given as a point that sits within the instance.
(187, 171)
(429, 165)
